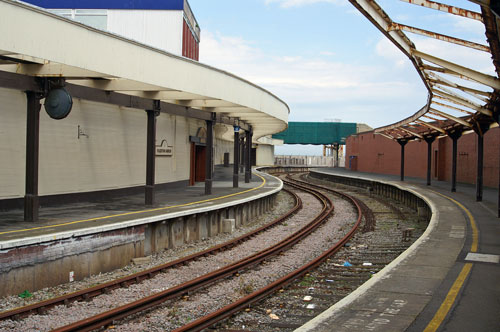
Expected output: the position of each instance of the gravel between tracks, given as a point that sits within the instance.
(64, 315)
(231, 289)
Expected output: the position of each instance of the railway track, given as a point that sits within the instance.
(89, 293)
(180, 290)
(367, 253)
(323, 278)
(278, 285)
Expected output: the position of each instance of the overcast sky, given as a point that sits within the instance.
(326, 60)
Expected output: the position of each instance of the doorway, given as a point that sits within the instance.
(198, 159)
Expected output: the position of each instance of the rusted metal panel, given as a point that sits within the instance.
(438, 36)
(446, 8)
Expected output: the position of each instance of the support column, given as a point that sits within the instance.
(242, 154)
(150, 157)
(402, 142)
(480, 158)
(455, 135)
(336, 147)
(250, 132)
(429, 140)
(236, 155)
(31, 201)
(480, 129)
(248, 148)
(209, 156)
(497, 118)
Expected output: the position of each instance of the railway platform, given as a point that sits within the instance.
(446, 281)
(85, 238)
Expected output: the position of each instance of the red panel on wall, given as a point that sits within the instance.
(190, 48)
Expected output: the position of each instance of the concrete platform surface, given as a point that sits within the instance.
(448, 280)
(83, 218)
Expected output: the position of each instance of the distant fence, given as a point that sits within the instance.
(308, 161)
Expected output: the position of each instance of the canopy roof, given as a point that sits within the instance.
(38, 44)
(459, 98)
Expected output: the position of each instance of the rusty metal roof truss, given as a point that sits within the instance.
(472, 94)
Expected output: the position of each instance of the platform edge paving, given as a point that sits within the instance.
(110, 226)
(355, 306)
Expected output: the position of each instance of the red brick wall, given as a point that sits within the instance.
(377, 154)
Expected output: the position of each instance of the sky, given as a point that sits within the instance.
(326, 60)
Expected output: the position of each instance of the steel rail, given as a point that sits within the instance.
(86, 294)
(111, 316)
(227, 311)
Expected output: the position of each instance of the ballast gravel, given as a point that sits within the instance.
(63, 315)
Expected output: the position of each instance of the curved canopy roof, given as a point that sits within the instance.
(36, 43)
(459, 98)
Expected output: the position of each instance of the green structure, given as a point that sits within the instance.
(317, 133)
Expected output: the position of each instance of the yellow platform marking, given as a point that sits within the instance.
(475, 231)
(449, 300)
(138, 212)
(445, 307)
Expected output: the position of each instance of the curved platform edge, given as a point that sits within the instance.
(377, 304)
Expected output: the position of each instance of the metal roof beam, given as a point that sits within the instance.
(372, 11)
(411, 132)
(449, 106)
(438, 36)
(485, 79)
(447, 9)
(441, 130)
(443, 81)
(429, 68)
(450, 117)
(462, 101)
(385, 135)
(441, 85)
(432, 118)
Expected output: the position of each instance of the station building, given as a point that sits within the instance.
(135, 88)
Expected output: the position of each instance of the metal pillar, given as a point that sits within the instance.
(480, 158)
(31, 200)
(209, 156)
(248, 149)
(150, 157)
(250, 153)
(337, 146)
(236, 155)
(497, 118)
(480, 129)
(429, 140)
(402, 142)
(242, 154)
(455, 135)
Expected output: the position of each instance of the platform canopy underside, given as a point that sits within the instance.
(459, 98)
(37, 46)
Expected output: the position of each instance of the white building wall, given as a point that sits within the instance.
(12, 143)
(110, 154)
(159, 28)
(265, 155)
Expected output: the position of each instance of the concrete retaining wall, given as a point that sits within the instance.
(33, 267)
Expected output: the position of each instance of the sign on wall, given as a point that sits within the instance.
(164, 150)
